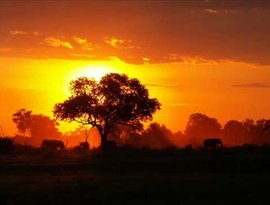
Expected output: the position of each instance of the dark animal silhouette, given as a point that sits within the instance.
(212, 143)
(52, 145)
(84, 146)
(6, 145)
(110, 145)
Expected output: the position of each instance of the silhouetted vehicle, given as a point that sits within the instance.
(6, 145)
(52, 145)
(212, 143)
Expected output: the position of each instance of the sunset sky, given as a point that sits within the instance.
(208, 56)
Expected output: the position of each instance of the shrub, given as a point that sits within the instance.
(6, 145)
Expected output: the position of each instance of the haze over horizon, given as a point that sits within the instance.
(210, 57)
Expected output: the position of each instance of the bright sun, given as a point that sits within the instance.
(93, 71)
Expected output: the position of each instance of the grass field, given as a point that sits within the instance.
(136, 177)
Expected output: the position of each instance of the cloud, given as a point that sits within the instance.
(253, 85)
(222, 11)
(193, 60)
(194, 32)
(23, 32)
(36, 33)
(120, 43)
(83, 56)
(55, 42)
(18, 32)
(79, 40)
(212, 11)
(84, 43)
(146, 60)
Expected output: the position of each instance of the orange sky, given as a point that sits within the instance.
(210, 57)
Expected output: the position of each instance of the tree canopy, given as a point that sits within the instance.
(115, 100)
(36, 126)
(200, 127)
(22, 120)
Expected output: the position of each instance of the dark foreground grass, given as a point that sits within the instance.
(137, 177)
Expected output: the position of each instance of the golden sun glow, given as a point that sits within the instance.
(93, 71)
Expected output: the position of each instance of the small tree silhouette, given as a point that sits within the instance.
(115, 100)
(22, 119)
(200, 127)
(37, 127)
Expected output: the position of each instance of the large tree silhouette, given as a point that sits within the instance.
(115, 100)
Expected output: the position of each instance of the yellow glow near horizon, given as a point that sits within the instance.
(93, 71)
(97, 70)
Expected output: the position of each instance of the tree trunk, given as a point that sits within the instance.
(104, 138)
(104, 141)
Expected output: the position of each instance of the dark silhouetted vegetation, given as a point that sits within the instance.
(115, 100)
(32, 128)
(200, 127)
(6, 145)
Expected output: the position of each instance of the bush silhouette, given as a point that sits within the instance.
(6, 145)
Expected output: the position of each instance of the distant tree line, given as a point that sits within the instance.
(198, 128)
(234, 132)
(33, 128)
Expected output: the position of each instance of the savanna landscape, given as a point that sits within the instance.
(134, 102)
